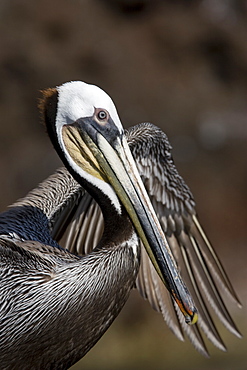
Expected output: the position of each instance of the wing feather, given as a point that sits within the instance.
(197, 261)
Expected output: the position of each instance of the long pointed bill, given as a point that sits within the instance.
(114, 163)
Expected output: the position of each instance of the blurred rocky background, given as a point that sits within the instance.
(179, 64)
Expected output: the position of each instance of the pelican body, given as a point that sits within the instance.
(74, 247)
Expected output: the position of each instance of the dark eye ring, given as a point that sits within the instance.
(102, 115)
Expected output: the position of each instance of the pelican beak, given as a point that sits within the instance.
(107, 150)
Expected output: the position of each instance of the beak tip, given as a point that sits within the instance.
(191, 319)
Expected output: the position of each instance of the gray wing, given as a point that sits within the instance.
(80, 229)
(197, 261)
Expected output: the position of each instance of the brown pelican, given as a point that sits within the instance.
(57, 300)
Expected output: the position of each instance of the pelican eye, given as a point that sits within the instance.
(102, 115)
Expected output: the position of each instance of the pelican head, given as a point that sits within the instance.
(86, 131)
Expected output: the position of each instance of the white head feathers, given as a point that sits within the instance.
(77, 99)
